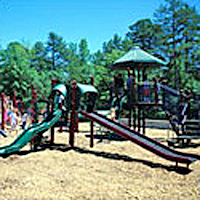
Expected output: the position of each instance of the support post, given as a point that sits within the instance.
(156, 91)
(129, 117)
(91, 134)
(134, 100)
(134, 117)
(143, 121)
(61, 120)
(52, 135)
(73, 113)
(3, 111)
(33, 102)
(92, 123)
(139, 118)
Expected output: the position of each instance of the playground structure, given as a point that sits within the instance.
(143, 95)
(61, 105)
(79, 99)
(68, 100)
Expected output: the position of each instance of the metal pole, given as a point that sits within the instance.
(52, 130)
(143, 121)
(73, 113)
(92, 123)
(139, 117)
(61, 120)
(156, 91)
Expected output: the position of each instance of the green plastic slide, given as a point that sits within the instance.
(32, 131)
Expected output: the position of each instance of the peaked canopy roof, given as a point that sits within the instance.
(87, 88)
(137, 58)
(61, 88)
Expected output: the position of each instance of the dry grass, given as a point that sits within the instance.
(112, 170)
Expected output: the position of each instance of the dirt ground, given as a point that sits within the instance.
(112, 170)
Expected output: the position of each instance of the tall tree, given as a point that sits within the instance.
(16, 75)
(56, 47)
(180, 24)
(115, 43)
(145, 34)
(84, 59)
(40, 60)
(84, 52)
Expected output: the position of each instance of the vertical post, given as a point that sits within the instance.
(52, 130)
(92, 123)
(143, 75)
(73, 113)
(164, 96)
(156, 91)
(76, 122)
(52, 135)
(143, 110)
(138, 107)
(3, 111)
(134, 100)
(139, 118)
(134, 117)
(130, 96)
(33, 102)
(14, 100)
(61, 120)
(91, 134)
(138, 84)
(129, 117)
(143, 121)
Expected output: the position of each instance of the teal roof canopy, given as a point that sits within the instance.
(61, 88)
(137, 58)
(84, 88)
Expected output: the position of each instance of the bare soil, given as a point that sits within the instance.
(113, 170)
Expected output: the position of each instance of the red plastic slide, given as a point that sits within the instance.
(142, 140)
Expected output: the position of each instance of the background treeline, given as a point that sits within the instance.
(173, 34)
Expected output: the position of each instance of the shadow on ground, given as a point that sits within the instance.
(115, 156)
(106, 155)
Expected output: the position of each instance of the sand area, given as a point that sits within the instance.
(112, 170)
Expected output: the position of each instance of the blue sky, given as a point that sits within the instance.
(29, 21)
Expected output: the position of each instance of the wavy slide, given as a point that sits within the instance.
(142, 140)
(28, 134)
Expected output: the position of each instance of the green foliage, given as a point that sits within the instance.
(174, 34)
(180, 42)
(145, 34)
(16, 75)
